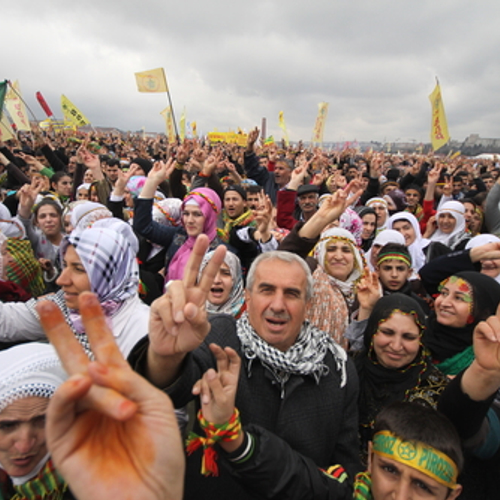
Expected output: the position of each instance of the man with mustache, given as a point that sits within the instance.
(296, 382)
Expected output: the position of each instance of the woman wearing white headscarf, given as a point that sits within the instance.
(407, 224)
(83, 215)
(451, 227)
(29, 376)
(381, 208)
(100, 260)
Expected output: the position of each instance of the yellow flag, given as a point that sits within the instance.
(455, 154)
(439, 126)
(169, 123)
(151, 81)
(319, 126)
(283, 127)
(182, 124)
(5, 130)
(16, 108)
(194, 129)
(72, 114)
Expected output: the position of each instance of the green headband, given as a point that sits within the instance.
(418, 456)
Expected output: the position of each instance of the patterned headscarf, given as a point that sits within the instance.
(110, 262)
(167, 212)
(351, 221)
(236, 298)
(23, 269)
(135, 185)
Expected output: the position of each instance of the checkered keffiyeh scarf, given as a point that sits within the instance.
(305, 357)
(58, 298)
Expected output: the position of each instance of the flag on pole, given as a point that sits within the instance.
(5, 129)
(182, 125)
(3, 91)
(283, 127)
(72, 114)
(151, 81)
(193, 128)
(319, 127)
(169, 123)
(44, 105)
(439, 126)
(16, 108)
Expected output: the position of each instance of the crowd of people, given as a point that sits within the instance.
(313, 323)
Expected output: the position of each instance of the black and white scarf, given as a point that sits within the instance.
(305, 357)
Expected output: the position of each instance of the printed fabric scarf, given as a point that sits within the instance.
(305, 357)
(48, 484)
(244, 220)
(58, 298)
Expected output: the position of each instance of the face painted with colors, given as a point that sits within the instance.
(455, 303)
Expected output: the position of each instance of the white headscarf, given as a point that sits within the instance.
(457, 211)
(386, 236)
(10, 226)
(375, 202)
(483, 239)
(28, 370)
(85, 214)
(416, 248)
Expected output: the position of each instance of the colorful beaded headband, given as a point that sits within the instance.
(406, 259)
(206, 198)
(166, 215)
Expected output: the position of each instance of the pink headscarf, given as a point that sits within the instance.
(210, 205)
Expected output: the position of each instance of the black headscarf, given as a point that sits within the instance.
(445, 341)
(380, 386)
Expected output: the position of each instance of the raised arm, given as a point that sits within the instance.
(178, 321)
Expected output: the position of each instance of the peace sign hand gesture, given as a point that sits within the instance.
(178, 321)
(106, 419)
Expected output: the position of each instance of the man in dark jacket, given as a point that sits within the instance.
(296, 382)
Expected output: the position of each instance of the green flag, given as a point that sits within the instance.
(3, 91)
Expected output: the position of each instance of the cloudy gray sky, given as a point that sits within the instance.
(230, 63)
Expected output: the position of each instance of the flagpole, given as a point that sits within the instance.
(29, 109)
(24, 102)
(173, 114)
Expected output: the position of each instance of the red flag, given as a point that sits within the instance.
(44, 104)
